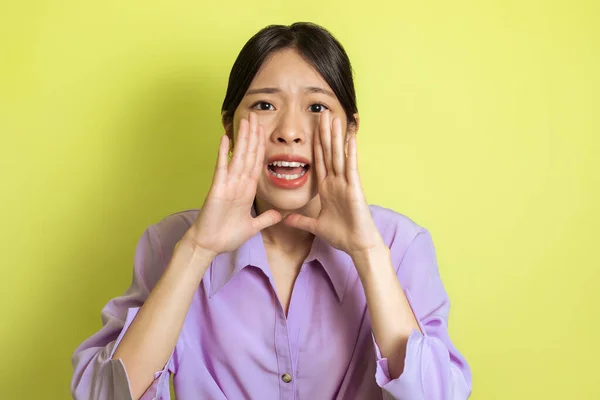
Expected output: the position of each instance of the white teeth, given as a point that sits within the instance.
(287, 164)
(288, 177)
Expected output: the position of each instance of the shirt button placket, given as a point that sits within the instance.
(284, 359)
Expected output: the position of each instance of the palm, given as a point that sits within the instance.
(345, 220)
(339, 219)
(226, 212)
(224, 221)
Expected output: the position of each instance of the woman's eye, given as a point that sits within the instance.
(263, 106)
(318, 108)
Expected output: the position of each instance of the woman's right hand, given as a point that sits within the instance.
(224, 221)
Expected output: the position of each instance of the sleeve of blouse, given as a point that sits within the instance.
(433, 367)
(97, 376)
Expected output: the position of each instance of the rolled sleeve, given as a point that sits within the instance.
(158, 390)
(97, 376)
(433, 367)
(382, 374)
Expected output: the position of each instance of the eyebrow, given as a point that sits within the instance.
(273, 90)
(316, 89)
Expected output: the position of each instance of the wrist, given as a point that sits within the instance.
(192, 245)
(190, 258)
(371, 259)
(377, 249)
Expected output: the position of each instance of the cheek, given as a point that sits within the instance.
(240, 113)
(267, 120)
(236, 127)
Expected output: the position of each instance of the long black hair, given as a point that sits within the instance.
(314, 43)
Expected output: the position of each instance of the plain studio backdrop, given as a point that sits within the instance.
(479, 120)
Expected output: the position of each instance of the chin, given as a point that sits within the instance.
(289, 203)
(286, 200)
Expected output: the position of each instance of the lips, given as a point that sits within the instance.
(287, 176)
(288, 157)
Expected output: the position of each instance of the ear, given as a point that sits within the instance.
(357, 118)
(228, 127)
(351, 129)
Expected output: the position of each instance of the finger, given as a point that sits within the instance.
(266, 219)
(260, 154)
(319, 160)
(221, 167)
(239, 150)
(302, 222)
(325, 136)
(252, 145)
(337, 146)
(352, 161)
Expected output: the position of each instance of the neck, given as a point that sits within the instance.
(284, 237)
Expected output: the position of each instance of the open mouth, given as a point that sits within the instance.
(288, 170)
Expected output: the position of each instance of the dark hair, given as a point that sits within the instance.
(314, 43)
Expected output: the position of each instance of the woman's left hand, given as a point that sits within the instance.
(345, 221)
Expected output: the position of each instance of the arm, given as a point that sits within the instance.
(392, 318)
(148, 343)
(149, 335)
(424, 363)
(416, 359)
(105, 366)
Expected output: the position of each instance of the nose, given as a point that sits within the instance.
(290, 128)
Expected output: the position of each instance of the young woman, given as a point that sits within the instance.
(286, 284)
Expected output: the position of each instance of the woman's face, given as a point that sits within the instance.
(288, 97)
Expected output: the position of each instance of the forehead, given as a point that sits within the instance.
(287, 70)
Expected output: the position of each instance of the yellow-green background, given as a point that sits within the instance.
(479, 120)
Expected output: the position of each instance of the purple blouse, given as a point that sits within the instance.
(237, 343)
